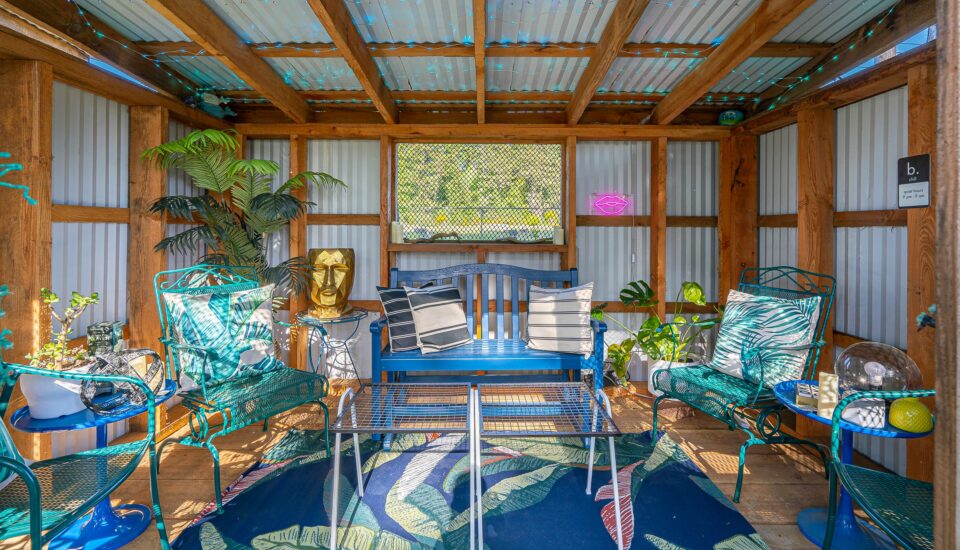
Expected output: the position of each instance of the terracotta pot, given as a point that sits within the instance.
(50, 397)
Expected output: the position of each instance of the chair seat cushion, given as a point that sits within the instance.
(66, 484)
(500, 354)
(253, 398)
(901, 506)
(710, 390)
(764, 321)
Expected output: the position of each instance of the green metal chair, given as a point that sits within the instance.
(750, 406)
(46, 498)
(220, 406)
(902, 507)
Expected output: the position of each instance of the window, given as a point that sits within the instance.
(507, 192)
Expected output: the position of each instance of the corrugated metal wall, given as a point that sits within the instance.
(692, 184)
(777, 193)
(277, 150)
(356, 163)
(90, 163)
(178, 183)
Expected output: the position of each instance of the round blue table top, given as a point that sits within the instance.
(84, 419)
(351, 316)
(786, 394)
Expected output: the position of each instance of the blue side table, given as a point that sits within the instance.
(105, 527)
(319, 329)
(850, 532)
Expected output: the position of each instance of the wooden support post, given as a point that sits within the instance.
(946, 531)
(737, 223)
(25, 122)
(658, 223)
(815, 233)
(148, 182)
(386, 184)
(569, 258)
(921, 250)
(298, 247)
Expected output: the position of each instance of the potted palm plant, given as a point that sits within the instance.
(238, 208)
(663, 344)
(50, 397)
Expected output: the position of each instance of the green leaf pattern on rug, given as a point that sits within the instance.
(313, 537)
(662, 544)
(708, 487)
(742, 542)
(351, 506)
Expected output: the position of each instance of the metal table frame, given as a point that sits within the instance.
(328, 344)
(383, 408)
(569, 404)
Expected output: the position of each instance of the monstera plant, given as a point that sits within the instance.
(660, 342)
(237, 209)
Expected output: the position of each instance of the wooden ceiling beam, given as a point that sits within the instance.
(479, 56)
(426, 49)
(202, 25)
(336, 20)
(621, 23)
(768, 19)
(874, 37)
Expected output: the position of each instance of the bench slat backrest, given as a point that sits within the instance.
(792, 283)
(476, 281)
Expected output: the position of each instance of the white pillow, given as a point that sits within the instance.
(751, 321)
(558, 319)
(439, 318)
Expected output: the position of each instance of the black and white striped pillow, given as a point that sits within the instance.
(558, 319)
(396, 306)
(439, 318)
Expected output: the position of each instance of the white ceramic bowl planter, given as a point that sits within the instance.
(656, 366)
(50, 397)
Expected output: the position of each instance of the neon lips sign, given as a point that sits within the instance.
(610, 204)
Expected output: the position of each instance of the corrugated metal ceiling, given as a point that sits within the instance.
(691, 21)
(547, 20)
(271, 21)
(534, 73)
(830, 20)
(413, 20)
(428, 73)
(758, 73)
(308, 73)
(646, 74)
(134, 19)
(207, 71)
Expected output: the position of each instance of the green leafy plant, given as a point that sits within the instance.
(238, 208)
(57, 354)
(658, 340)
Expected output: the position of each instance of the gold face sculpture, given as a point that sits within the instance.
(332, 281)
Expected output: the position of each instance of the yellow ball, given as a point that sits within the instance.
(910, 415)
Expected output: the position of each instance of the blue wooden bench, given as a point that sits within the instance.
(499, 349)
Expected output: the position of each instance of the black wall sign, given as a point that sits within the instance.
(913, 181)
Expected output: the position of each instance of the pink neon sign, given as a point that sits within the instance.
(610, 204)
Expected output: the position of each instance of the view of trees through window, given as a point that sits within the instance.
(507, 192)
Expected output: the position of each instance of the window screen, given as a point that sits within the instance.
(508, 192)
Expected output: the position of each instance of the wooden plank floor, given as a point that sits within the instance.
(779, 483)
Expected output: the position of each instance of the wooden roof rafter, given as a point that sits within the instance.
(768, 19)
(339, 25)
(204, 27)
(622, 21)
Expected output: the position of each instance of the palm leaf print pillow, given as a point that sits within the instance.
(236, 329)
(764, 321)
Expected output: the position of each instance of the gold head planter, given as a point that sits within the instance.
(332, 280)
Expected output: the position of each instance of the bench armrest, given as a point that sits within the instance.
(377, 326)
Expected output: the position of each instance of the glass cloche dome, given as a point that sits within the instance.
(875, 366)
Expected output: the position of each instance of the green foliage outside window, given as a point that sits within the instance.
(479, 191)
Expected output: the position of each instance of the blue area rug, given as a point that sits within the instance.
(417, 497)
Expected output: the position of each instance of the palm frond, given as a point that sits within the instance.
(290, 275)
(320, 179)
(255, 166)
(177, 206)
(249, 188)
(210, 171)
(277, 206)
(193, 239)
(197, 142)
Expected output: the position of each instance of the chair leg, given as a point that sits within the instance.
(831, 511)
(743, 458)
(266, 424)
(216, 475)
(656, 407)
(163, 445)
(155, 490)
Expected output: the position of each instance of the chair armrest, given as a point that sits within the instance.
(378, 325)
(835, 430)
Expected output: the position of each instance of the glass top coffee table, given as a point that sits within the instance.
(399, 409)
(543, 410)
